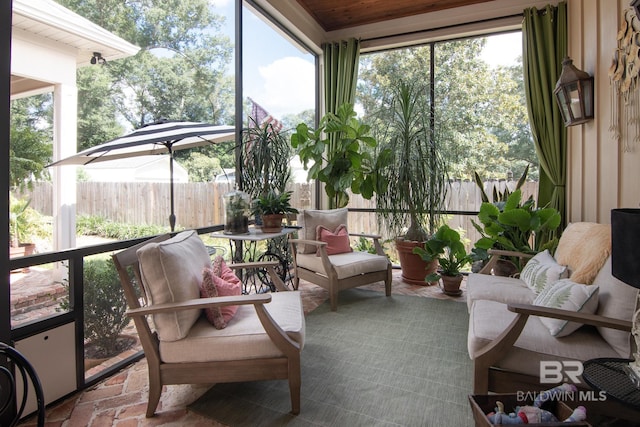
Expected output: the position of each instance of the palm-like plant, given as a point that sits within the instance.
(416, 172)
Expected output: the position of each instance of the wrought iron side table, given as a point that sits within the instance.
(244, 248)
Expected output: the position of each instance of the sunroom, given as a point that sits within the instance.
(599, 172)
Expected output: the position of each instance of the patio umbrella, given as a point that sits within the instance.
(161, 137)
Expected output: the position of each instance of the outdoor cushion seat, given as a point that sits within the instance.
(243, 338)
(498, 288)
(331, 263)
(346, 265)
(488, 319)
(261, 341)
(509, 336)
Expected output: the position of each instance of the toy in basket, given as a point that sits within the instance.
(529, 414)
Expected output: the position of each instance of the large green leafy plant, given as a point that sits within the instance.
(340, 150)
(447, 247)
(515, 226)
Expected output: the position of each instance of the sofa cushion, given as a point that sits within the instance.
(337, 240)
(244, 338)
(567, 295)
(617, 300)
(346, 265)
(310, 219)
(541, 270)
(497, 288)
(488, 319)
(171, 271)
(584, 248)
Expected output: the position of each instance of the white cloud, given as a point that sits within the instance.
(287, 86)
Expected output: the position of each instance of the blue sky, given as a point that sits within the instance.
(279, 76)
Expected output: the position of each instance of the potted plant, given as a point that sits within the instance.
(273, 206)
(340, 151)
(410, 208)
(266, 161)
(25, 223)
(515, 226)
(445, 247)
(236, 212)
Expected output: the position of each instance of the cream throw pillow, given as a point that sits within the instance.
(309, 220)
(541, 270)
(584, 248)
(172, 272)
(567, 295)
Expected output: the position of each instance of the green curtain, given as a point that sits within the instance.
(544, 35)
(341, 61)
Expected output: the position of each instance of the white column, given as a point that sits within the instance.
(65, 113)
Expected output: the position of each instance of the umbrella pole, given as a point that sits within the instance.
(172, 216)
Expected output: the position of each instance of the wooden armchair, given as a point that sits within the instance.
(313, 262)
(263, 341)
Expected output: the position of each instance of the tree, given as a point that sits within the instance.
(179, 74)
(30, 147)
(484, 108)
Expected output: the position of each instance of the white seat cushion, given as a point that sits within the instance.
(488, 319)
(171, 271)
(346, 264)
(243, 338)
(497, 288)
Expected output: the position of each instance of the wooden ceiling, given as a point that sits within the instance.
(338, 14)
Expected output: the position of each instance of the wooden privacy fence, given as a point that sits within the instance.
(200, 204)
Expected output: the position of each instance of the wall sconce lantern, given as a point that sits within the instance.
(574, 93)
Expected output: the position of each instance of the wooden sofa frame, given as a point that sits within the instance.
(161, 373)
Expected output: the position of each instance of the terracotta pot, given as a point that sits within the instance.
(272, 223)
(451, 285)
(414, 269)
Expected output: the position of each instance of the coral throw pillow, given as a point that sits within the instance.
(337, 240)
(220, 281)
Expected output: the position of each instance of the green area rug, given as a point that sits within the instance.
(377, 361)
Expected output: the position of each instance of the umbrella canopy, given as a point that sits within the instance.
(162, 137)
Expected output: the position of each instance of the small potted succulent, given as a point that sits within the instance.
(272, 207)
(446, 247)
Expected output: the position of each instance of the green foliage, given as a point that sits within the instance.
(30, 147)
(266, 160)
(447, 247)
(104, 305)
(410, 149)
(25, 223)
(340, 153)
(201, 168)
(498, 197)
(273, 202)
(179, 73)
(484, 108)
(97, 226)
(513, 225)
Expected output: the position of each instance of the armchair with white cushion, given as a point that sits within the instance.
(323, 256)
(196, 327)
